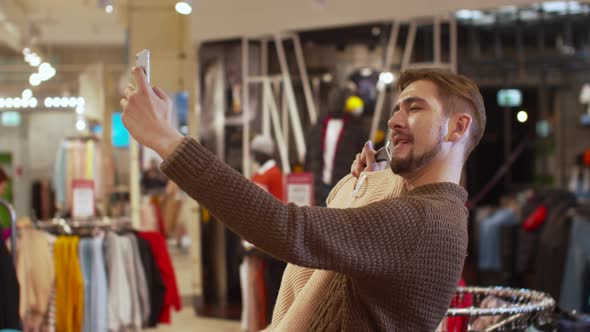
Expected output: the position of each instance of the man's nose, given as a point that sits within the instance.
(397, 120)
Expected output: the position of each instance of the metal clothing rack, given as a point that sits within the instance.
(12, 227)
(69, 224)
(520, 307)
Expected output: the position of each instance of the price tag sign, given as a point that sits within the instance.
(299, 189)
(83, 199)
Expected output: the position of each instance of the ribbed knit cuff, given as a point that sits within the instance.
(189, 159)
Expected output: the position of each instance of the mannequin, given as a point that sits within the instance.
(334, 142)
(257, 308)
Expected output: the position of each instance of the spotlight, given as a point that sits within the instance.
(35, 79)
(108, 9)
(48, 102)
(80, 124)
(522, 116)
(183, 7)
(386, 77)
(33, 102)
(27, 93)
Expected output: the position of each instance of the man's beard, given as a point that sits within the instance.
(412, 163)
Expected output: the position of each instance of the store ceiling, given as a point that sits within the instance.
(85, 22)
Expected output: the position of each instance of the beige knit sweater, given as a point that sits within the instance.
(302, 289)
(397, 261)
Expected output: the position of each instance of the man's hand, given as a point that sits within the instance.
(365, 161)
(145, 115)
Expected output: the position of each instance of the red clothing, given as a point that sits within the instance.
(172, 298)
(535, 219)
(459, 324)
(271, 181)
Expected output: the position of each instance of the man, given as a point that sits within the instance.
(397, 261)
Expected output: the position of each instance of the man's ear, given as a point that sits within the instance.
(458, 125)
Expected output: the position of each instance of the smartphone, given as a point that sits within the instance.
(142, 59)
(383, 154)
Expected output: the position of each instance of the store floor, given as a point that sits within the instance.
(186, 321)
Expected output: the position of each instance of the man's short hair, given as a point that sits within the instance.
(457, 93)
(3, 176)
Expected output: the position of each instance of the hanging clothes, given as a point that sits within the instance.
(33, 259)
(120, 296)
(575, 286)
(9, 288)
(95, 285)
(138, 274)
(69, 290)
(155, 283)
(160, 251)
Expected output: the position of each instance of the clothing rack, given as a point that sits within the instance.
(521, 307)
(68, 224)
(12, 227)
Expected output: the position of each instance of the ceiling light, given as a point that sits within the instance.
(81, 101)
(27, 93)
(72, 102)
(35, 60)
(80, 124)
(56, 101)
(35, 79)
(26, 51)
(80, 109)
(63, 102)
(48, 102)
(376, 31)
(522, 116)
(2, 102)
(33, 102)
(18, 103)
(108, 9)
(9, 103)
(386, 77)
(183, 7)
(327, 78)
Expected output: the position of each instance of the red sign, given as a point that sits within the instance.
(299, 189)
(83, 199)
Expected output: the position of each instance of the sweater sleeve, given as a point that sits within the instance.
(371, 241)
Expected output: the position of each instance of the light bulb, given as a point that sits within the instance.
(522, 116)
(386, 77)
(56, 101)
(2, 102)
(327, 78)
(63, 102)
(72, 102)
(80, 109)
(35, 79)
(108, 9)
(35, 61)
(18, 103)
(26, 51)
(9, 103)
(80, 124)
(81, 101)
(33, 102)
(48, 102)
(183, 7)
(27, 93)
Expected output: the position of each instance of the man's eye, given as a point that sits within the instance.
(415, 108)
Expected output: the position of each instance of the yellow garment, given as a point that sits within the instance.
(69, 286)
(36, 273)
(90, 160)
(59, 254)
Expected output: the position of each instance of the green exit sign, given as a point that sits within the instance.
(10, 119)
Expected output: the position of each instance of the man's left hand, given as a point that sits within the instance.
(365, 161)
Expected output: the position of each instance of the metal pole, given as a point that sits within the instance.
(245, 110)
(12, 227)
(272, 106)
(409, 49)
(436, 41)
(297, 130)
(389, 53)
(453, 47)
(264, 72)
(313, 115)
